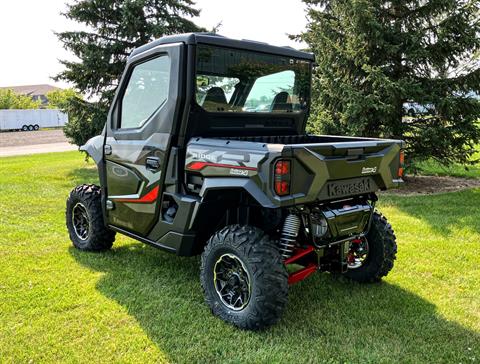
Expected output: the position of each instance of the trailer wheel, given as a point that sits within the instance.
(36, 127)
(24, 128)
(30, 128)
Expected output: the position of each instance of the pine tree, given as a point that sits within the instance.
(115, 28)
(374, 56)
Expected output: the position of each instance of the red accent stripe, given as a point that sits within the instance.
(148, 198)
(197, 166)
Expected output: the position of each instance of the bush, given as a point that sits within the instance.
(85, 120)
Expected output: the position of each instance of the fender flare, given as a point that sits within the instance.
(94, 148)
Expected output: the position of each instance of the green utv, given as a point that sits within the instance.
(205, 152)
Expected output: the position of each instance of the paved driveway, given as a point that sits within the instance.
(33, 142)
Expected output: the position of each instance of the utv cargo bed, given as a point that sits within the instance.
(324, 167)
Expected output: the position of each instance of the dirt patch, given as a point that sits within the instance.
(426, 185)
(16, 138)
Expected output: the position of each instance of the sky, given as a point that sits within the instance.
(29, 49)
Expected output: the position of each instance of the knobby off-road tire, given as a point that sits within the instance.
(84, 205)
(266, 274)
(382, 250)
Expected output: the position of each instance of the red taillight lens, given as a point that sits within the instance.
(282, 188)
(282, 168)
(282, 177)
(402, 164)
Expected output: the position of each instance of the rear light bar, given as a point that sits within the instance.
(401, 168)
(281, 177)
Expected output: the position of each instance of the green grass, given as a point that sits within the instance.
(139, 304)
(434, 168)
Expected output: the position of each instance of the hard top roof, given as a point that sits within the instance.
(218, 40)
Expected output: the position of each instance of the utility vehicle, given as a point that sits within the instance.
(205, 152)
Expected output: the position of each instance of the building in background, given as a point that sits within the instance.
(36, 92)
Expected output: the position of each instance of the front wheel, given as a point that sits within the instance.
(243, 277)
(85, 221)
(372, 257)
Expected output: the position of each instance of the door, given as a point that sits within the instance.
(138, 138)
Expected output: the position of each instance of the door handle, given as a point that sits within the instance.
(152, 163)
(107, 149)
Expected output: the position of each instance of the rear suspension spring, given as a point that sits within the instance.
(290, 229)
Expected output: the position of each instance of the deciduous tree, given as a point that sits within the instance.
(11, 100)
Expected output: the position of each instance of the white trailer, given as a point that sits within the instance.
(28, 120)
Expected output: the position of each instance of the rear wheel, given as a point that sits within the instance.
(30, 128)
(84, 217)
(25, 128)
(36, 127)
(243, 277)
(372, 257)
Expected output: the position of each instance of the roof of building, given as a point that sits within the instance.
(32, 90)
(218, 40)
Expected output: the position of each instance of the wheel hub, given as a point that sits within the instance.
(358, 253)
(81, 221)
(232, 282)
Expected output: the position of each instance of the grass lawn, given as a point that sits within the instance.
(432, 167)
(139, 304)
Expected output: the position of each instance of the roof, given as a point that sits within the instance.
(218, 40)
(32, 90)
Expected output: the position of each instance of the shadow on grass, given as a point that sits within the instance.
(327, 319)
(88, 174)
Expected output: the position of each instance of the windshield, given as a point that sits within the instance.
(230, 80)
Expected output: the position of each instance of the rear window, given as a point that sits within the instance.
(231, 80)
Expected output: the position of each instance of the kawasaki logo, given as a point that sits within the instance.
(349, 188)
(368, 170)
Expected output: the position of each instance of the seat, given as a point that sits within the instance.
(281, 102)
(215, 99)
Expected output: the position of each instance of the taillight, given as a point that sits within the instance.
(282, 177)
(402, 164)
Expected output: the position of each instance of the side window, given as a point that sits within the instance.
(146, 91)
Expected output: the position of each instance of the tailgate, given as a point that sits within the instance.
(333, 170)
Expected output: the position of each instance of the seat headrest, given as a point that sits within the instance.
(215, 95)
(280, 102)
